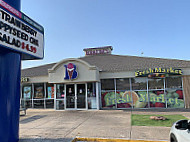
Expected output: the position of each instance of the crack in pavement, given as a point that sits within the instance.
(74, 128)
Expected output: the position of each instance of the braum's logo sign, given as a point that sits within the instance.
(70, 72)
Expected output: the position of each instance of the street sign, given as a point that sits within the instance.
(20, 33)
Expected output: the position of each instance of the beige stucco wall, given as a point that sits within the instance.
(130, 74)
(38, 79)
(107, 75)
(186, 71)
(86, 73)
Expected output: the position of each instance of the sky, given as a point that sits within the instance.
(158, 28)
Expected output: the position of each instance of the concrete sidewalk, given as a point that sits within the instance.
(63, 126)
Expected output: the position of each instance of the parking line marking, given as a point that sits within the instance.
(111, 140)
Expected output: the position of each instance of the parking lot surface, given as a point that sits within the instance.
(63, 126)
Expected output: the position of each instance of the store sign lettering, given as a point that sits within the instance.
(124, 100)
(19, 32)
(24, 79)
(143, 99)
(110, 101)
(158, 70)
(158, 99)
(70, 72)
(98, 51)
(121, 98)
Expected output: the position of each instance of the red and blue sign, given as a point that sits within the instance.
(70, 71)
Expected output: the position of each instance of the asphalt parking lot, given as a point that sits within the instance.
(63, 126)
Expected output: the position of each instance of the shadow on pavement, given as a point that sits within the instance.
(33, 118)
(46, 140)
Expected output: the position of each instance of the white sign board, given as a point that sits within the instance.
(25, 37)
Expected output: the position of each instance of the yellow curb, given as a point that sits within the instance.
(110, 140)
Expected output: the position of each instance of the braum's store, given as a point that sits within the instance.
(101, 80)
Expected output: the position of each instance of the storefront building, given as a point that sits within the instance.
(101, 80)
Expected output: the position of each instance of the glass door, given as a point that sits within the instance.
(81, 96)
(70, 96)
(76, 96)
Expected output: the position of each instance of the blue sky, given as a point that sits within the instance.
(159, 28)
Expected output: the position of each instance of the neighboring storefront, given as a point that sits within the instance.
(142, 93)
(100, 80)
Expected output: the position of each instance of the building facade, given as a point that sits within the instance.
(101, 80)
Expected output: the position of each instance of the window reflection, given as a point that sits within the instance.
(27, 91)
(173, 82)
(60, 95)
(139, 83)
(108, 93)
(38, 103)
(60, 91)
(91, 93)
(123, 84)
(38, 90)
(156, 83)
(50, 91)
(107, 84)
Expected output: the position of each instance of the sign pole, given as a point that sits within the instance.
(10, 68)
(21, 38)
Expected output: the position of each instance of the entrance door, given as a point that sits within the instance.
(76, 96)
(70, 96)
(81, 96)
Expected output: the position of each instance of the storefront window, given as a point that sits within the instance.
(156, 93)
(50, 91)
(91, 93)
(27, 91)
(123, 99)
(156, 83)
(173, 82)
(123, 94)
(60, 95)
(139, 93)
(60, 91)
(38, 103)
(108, 99)
(174, 92)
(107, 84)
(39, 90)
(59, 104)
(140, 99)
(139, 83)
(26, 103)
(175, 98)
(26, 98)
(50, 103)
(108, 93)
(122, 84)
(157, 98)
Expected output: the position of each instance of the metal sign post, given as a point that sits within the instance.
(20, 39)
